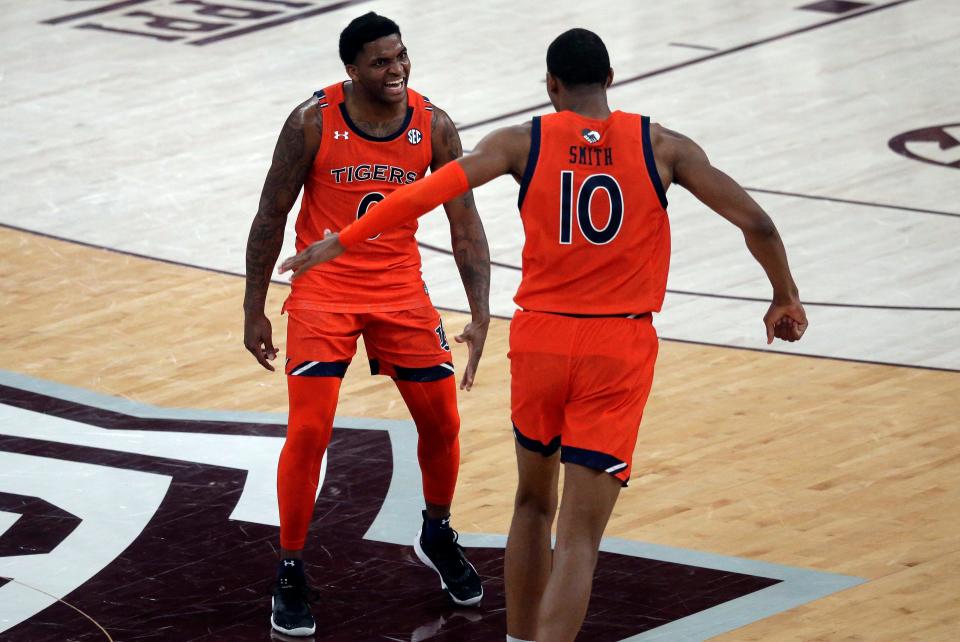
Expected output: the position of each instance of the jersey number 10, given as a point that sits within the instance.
(583, 212)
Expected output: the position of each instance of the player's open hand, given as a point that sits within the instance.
(320, 252)
(786, 321)
(258, 339)
(474, 335)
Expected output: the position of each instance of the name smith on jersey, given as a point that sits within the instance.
(590, 156)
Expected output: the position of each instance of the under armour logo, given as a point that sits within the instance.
(289, 563)
(338, 135)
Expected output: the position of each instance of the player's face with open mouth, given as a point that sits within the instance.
(383, 69)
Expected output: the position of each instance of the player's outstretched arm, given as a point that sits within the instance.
(470, 249)
(500, 152)
(296, 147)
(690, 167)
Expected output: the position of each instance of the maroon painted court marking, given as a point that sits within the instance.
(195, 574)
(93, 12)
(944, 140)
(277, 22)
(850, 201)
(40, 528)
(160, 26)
(689, 46)
(834, 6)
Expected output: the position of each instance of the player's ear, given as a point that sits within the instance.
(553, 85)
(352, 71)
(609, 77)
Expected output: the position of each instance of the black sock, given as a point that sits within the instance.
(290, 568)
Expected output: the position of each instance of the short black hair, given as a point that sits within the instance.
(367, 28)
(578, 57)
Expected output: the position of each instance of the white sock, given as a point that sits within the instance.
(510, 638)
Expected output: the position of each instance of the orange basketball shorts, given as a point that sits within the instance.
(409, 345)
(580, 385)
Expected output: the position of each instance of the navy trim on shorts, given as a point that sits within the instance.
(320, 369)
(538, 447)
(531, 160)
(650, 162)
(592, 459)
(424, 375)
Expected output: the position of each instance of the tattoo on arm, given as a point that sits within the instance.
(447, 147)
(469, 241)
(472, 255)
(292, 159)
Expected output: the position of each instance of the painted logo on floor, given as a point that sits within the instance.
(192, 22)
(938, 145)
(114, 516)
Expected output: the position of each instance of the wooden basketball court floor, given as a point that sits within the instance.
(797, 492)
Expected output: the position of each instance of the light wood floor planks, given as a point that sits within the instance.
(817, 463)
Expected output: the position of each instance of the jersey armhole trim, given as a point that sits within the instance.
(321, 96)
(531, 160)
(650, 162)
(323, 101)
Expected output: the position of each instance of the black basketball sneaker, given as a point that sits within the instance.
(291, 608)
(436, 546)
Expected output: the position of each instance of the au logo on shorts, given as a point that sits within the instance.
(414, 136)
(442, 335)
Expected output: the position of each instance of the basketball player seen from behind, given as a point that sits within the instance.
(582, 347)
(348, 147)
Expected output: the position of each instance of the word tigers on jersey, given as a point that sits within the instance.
(366, 172)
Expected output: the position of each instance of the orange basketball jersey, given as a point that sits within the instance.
(594, 215)
(352, 172)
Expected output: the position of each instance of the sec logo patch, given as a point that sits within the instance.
(414, 136)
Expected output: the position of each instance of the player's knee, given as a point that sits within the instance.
(535, 503)
(446, 413)
(438, 445)
(579, 545)
(579, 535)
(433, 406)
(448, 428)
(442, 429)
(306, 439)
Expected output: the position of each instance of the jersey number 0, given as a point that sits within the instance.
(583, 208)
(365, 203)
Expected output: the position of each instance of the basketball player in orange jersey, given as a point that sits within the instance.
(348, 147)
(582, 347)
